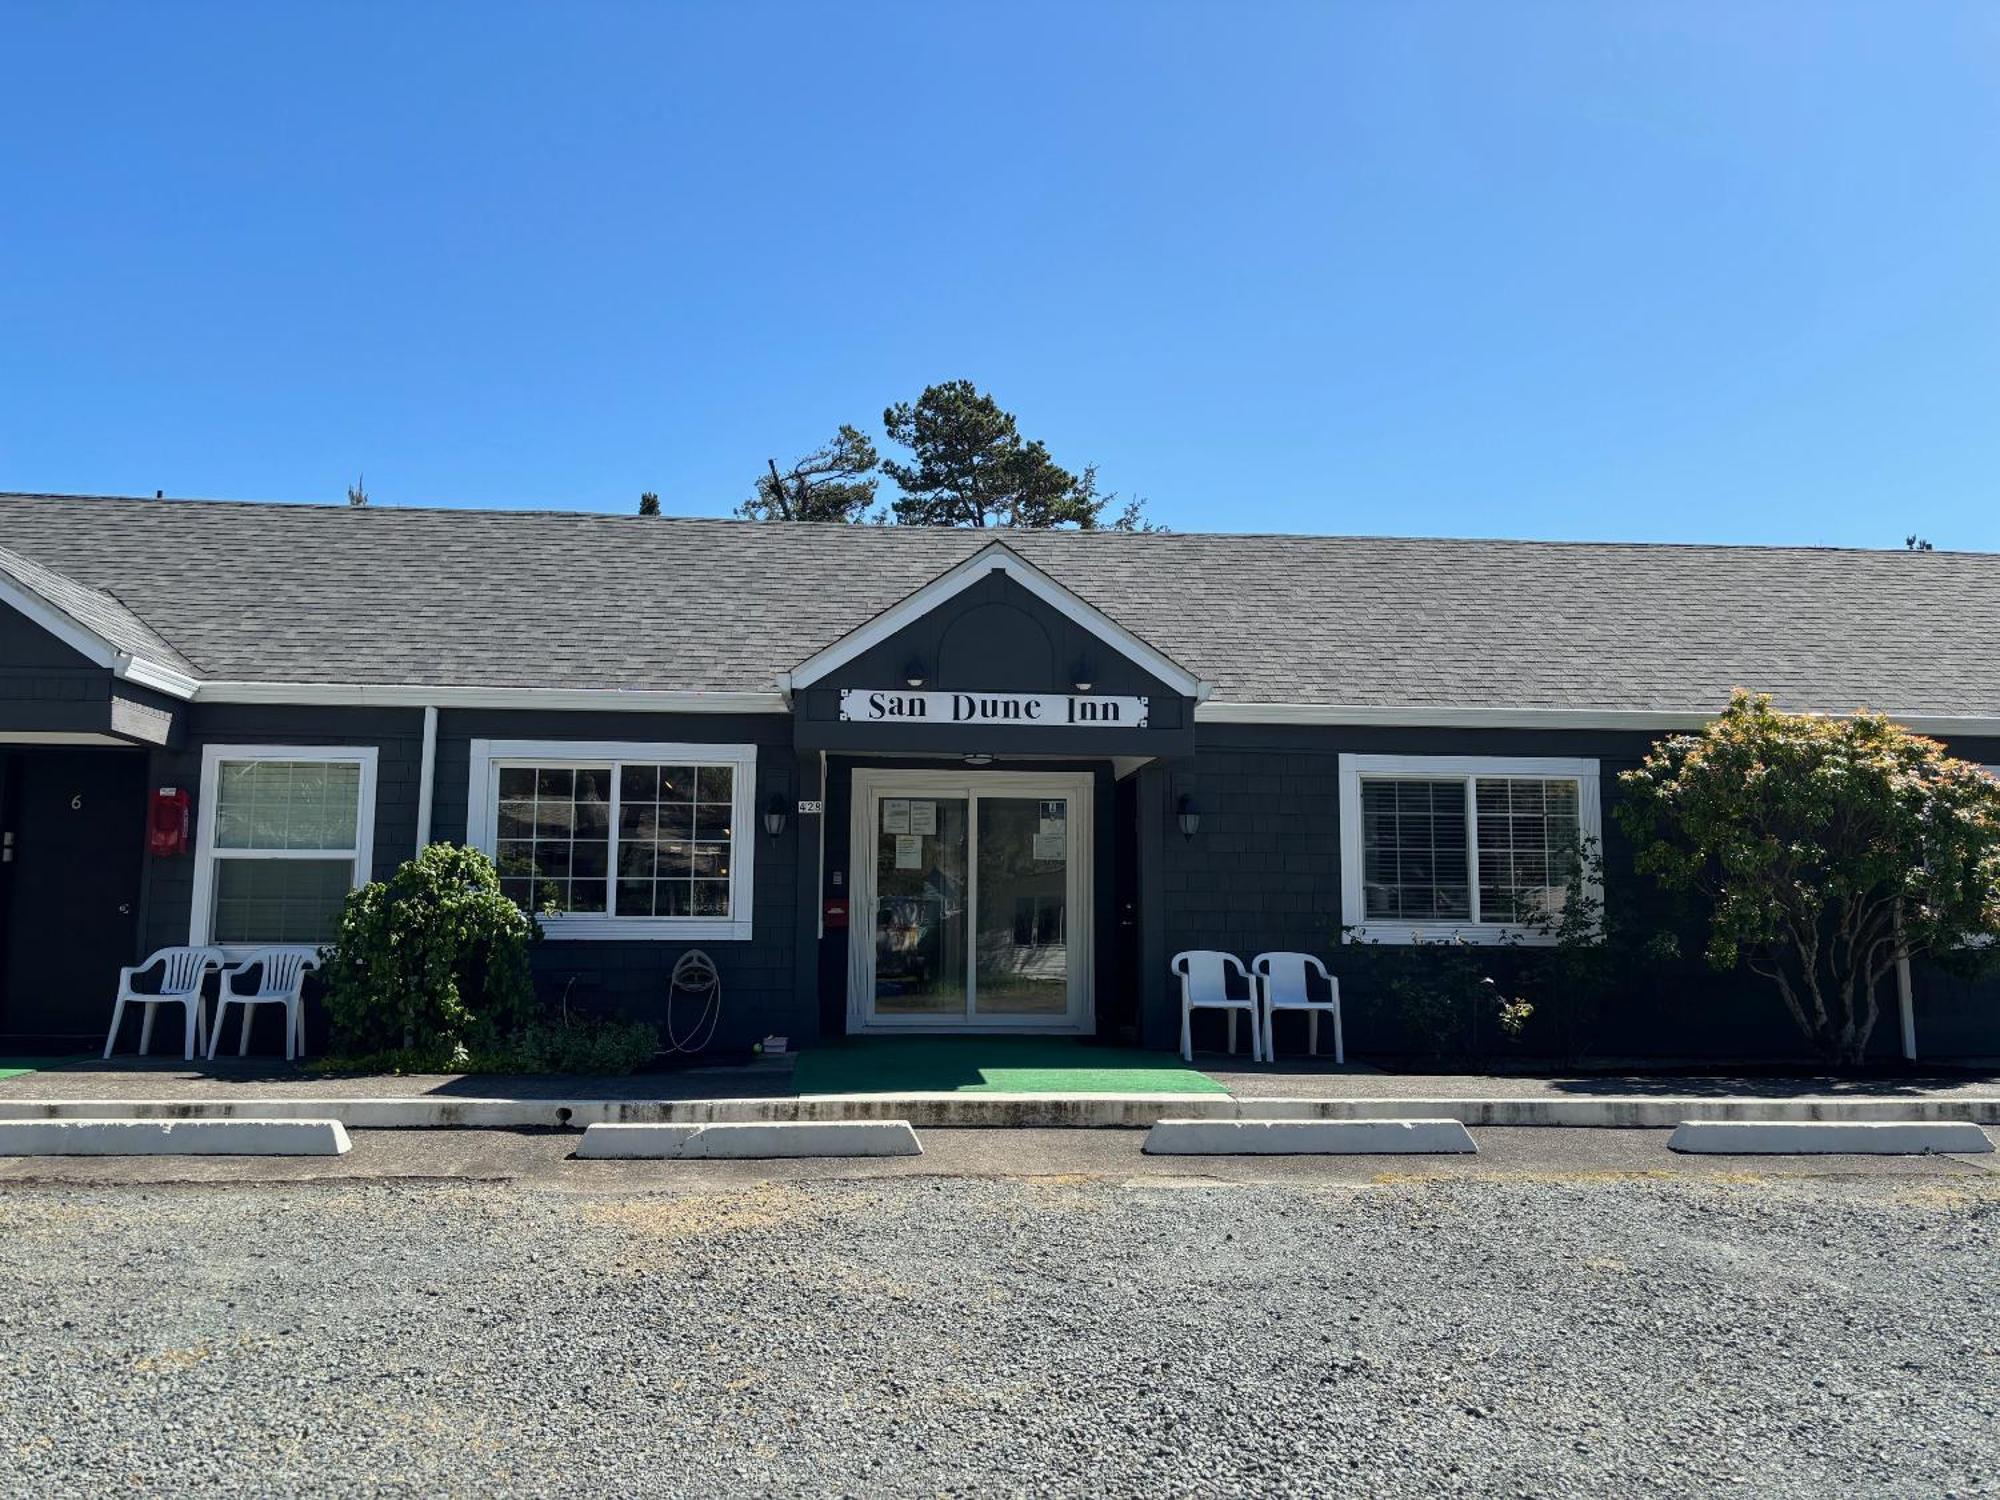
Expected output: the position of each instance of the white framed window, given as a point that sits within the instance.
(608, 839)
(1442, 847)
(283, 833)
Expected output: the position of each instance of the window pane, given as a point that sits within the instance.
(282, 804)
(1529, 833)
(1413, 865)
(676, 783)
(715, 783)
(279, 900)
(564, 838)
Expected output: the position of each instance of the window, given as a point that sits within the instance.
(1450, 846)
(619, 840)
(285, 833)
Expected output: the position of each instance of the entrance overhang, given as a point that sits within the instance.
(87, 707)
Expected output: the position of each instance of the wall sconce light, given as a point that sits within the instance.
(774, 815)
(1081, 676)
(913, 672)
(1188, 816)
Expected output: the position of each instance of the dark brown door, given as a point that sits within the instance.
(69, 888)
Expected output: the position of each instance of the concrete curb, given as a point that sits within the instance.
(995, 1111)
(1308, 1138)
(130, 1137)
(1848, 1138)
(845, 1138)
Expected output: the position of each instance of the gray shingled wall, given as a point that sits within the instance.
(167, 892)
(760, 994)
(1263, 874)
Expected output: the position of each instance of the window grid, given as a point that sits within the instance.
(666, 830)
(1421, 836)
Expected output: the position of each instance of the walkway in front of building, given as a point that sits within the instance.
(957, 1064)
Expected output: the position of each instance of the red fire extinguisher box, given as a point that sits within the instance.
(168, 820)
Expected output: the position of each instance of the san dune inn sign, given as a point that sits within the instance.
(900, 706)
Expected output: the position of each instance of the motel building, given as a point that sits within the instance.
(900, 779)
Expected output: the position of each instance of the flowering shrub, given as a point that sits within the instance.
(1826, 849)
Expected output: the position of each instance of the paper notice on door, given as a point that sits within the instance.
(909, 852)
(923, 817)
(1052, 846)
(895, 814)
(1054, 820)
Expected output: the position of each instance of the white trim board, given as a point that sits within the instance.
(1480, 716)
(417, 695)
(482, 806)
(59, 737)
(1212, 711)
(995, 557)
(1355, 925)
(38, 610)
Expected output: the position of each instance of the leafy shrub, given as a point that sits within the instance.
(432, 963)
(1826, 850)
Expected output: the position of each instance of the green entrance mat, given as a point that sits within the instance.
(992, 1065)
(17, 1067)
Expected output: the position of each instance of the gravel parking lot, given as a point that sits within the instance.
(1559, 1333)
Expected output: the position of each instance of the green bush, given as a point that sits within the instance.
(1826, 851)
(432, 963)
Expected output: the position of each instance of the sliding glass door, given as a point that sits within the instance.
(1021, 937)
(921, 916)
(975, 891)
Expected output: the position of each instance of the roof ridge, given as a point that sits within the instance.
(1002, 534)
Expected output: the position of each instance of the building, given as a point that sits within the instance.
(895, 779)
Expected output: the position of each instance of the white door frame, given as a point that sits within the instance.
(871, 785)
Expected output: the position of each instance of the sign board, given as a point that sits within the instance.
(1050, 710)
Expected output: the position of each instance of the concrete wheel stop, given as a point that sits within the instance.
(1828, 1138)
(134, 1137)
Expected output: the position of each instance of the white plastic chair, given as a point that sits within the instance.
(281, 981)
(183, 972)
(1281, 979)
(1204, 979)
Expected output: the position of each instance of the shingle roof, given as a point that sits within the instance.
(97, 611)
(307, 593)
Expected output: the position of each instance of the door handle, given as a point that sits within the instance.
(124, 908)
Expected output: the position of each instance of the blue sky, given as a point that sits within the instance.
(1649, 271)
